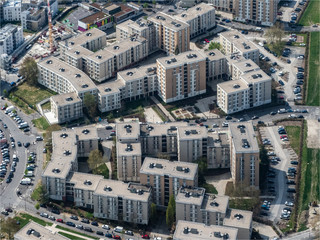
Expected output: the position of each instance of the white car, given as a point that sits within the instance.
(290, 204)
(302, 44)
(105, 227)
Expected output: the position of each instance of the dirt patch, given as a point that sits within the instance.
(300, 39)
(313, 134)
(314, 218)
(219, 181)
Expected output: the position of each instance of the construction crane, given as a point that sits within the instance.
(50, 28)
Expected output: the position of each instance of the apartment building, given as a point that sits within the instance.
(194, 205)
(240, 219)
(87, 140)
(11, 37)
(139, 82)
(181, 76)
(233, 42)
(66, 107)
(223, 5)
(188, 3)
(251, 90)
(192, 143)
(93, 40)
(166, 177)
(76, 57)
(244, 153)
(216, 65)
(100, 20)
(107, 62)
(141, 27)
(172, 36)
(160, 139)
(64, 78)
(200, 18)
(119, 201)
(34, 19)
(34, 231)
(189, 231)
(109, 95)
(12, 10)
(218, 150)
(238, 65)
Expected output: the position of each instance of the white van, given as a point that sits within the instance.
(118, 229)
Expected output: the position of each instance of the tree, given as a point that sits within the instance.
(6, 105)
(176, 51)
(145, 5)
(139, 2)
(202, 165)
(37, 206)
(95, 159)
(214, 45)
(40, 194)
(171, 211)
(172, 202)
(124, 1)
(9, 226)
(29, 70)
(153, 212)
(5, 93)
(154, 3)
(48, 135)
(90, 104)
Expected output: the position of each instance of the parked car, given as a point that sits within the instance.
(106, 227)
(71, 224)
(84, 220)
(60, 220)
(130, 233)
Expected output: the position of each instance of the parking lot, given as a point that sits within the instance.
(281, 175)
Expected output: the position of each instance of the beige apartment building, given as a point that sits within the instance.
(166, 177)
(141, 27)
(200, 18)
(66, 107)
(251, 90)
(87, 140)
(240, 219)
(77, 57)
(262, 12)
(244, 153)
(119, 201)
(93, 40)
(218, 151)
(234, 42)
(238, 65)
(109, 95)
(106, 62)
(190, 231)
(181, 76)
(194, 205)
(216, 64)
(172, 36)
(192, 143)
(64, 78)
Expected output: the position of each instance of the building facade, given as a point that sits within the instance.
(34, 19)
(11, 37)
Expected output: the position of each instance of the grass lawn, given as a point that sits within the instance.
(24, 218)
(244, 203)
(311, 14)
(102, 170)
(277, 47)
(210, 188)
(72, 231)
(313, 96)
(46, 106)
(160, 114)
(293, 133)
(305, 36)
(70, 236)
(41, 123)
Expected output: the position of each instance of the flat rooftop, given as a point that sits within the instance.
(192, 196)
(86, 133)
(243, 137)
(218, 139)
(233, 86)
(66, 99)
(7, 30)
(109, 88)
(213, 55)
(94, 17)
(255, 77)
(157, 166)
(124, 10)
(128, 149)
(128, 131)
(239, 41)
(159, 129)
(78, 79)
(238, 218)
(85, 181)
(78, 52)
(246, 65)
(215, 203)
(113, 188)
(137, 73)
(182, 58)
(199, 231)
(192, 132)
(168, 21)
(139, 25)
(194, 12)
(35, 231)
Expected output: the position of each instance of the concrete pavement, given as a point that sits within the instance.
(162, 108)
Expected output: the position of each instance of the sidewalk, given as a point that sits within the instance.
(53, 229)
(162, 108)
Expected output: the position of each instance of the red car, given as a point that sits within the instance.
(116, 237)
(3, 108)
(283, 136)
(145, 236)
(60, 220)
(206, 40)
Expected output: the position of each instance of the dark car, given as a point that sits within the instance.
(26, 130)
(55, 211)
(108, 235)
(260, 122)
(294, 162)
(109, 127)
(26, 145)
(300, 116)
(71, 224)
(228, 117)
(19, 144)
(291, 182)
(291, 190)
(281, 82)
(8, 180)
(9, 209)
(5, 213)
(100, 233)
(74, 217)
(94, 223)
(88, 229)
(273, 113)
(84, 220)
(130, 233)
(43, 205)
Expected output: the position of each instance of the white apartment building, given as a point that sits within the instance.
(12, 10)
(238, 65)
(109, 95)
(200, 18)
(11, 37)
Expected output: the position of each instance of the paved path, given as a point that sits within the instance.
(53, 229)
(162, 108)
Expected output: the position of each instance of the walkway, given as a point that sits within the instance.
(163, 109)
(53, 229)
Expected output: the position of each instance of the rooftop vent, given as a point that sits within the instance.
(87, 182)
(116, 47)
(248, 65)
(182, 169)
(61, 69)
(150, 128)
(129, 73)
(173, 128)
(236, 85)
(107, 89)
(155, 165)
(64, 135)
(78, 75)
(236, 36)
(56, 170)
(89, 34)
(214, 204)
(198, 8)
(69, 99)
(72, 43)
(183, 15)
(77, 52)
(67, 152)
(238, 216)
(221, 235)
(177, 25)
(99, 56)
(211, 54)
(84, 86)
(129, 148)
(192, 56)
(107, 189)
(161, 18)
(30, 230)
(245, 143)
(49, 62)
(85, 131)
(168, 62)
(173, 60)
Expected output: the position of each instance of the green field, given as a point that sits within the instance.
(311, 15)
(79, 233)
(294, 137)
(41, 123)
(313, 95)
(72, 237)
(24, 218)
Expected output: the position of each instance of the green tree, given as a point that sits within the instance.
(154, 3)
(5, 93)
(37, 206)
(10, 227)
(90, 104)
(172, 202)
(170, 216)
(145, 5)
(214, 45)
(95, 159)
(176, 51)
(29, 70)
(124, 1)
(202, 165)
(6, 105)
(153, 212)
(40, 194)
(139, 2)
(48, 135)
